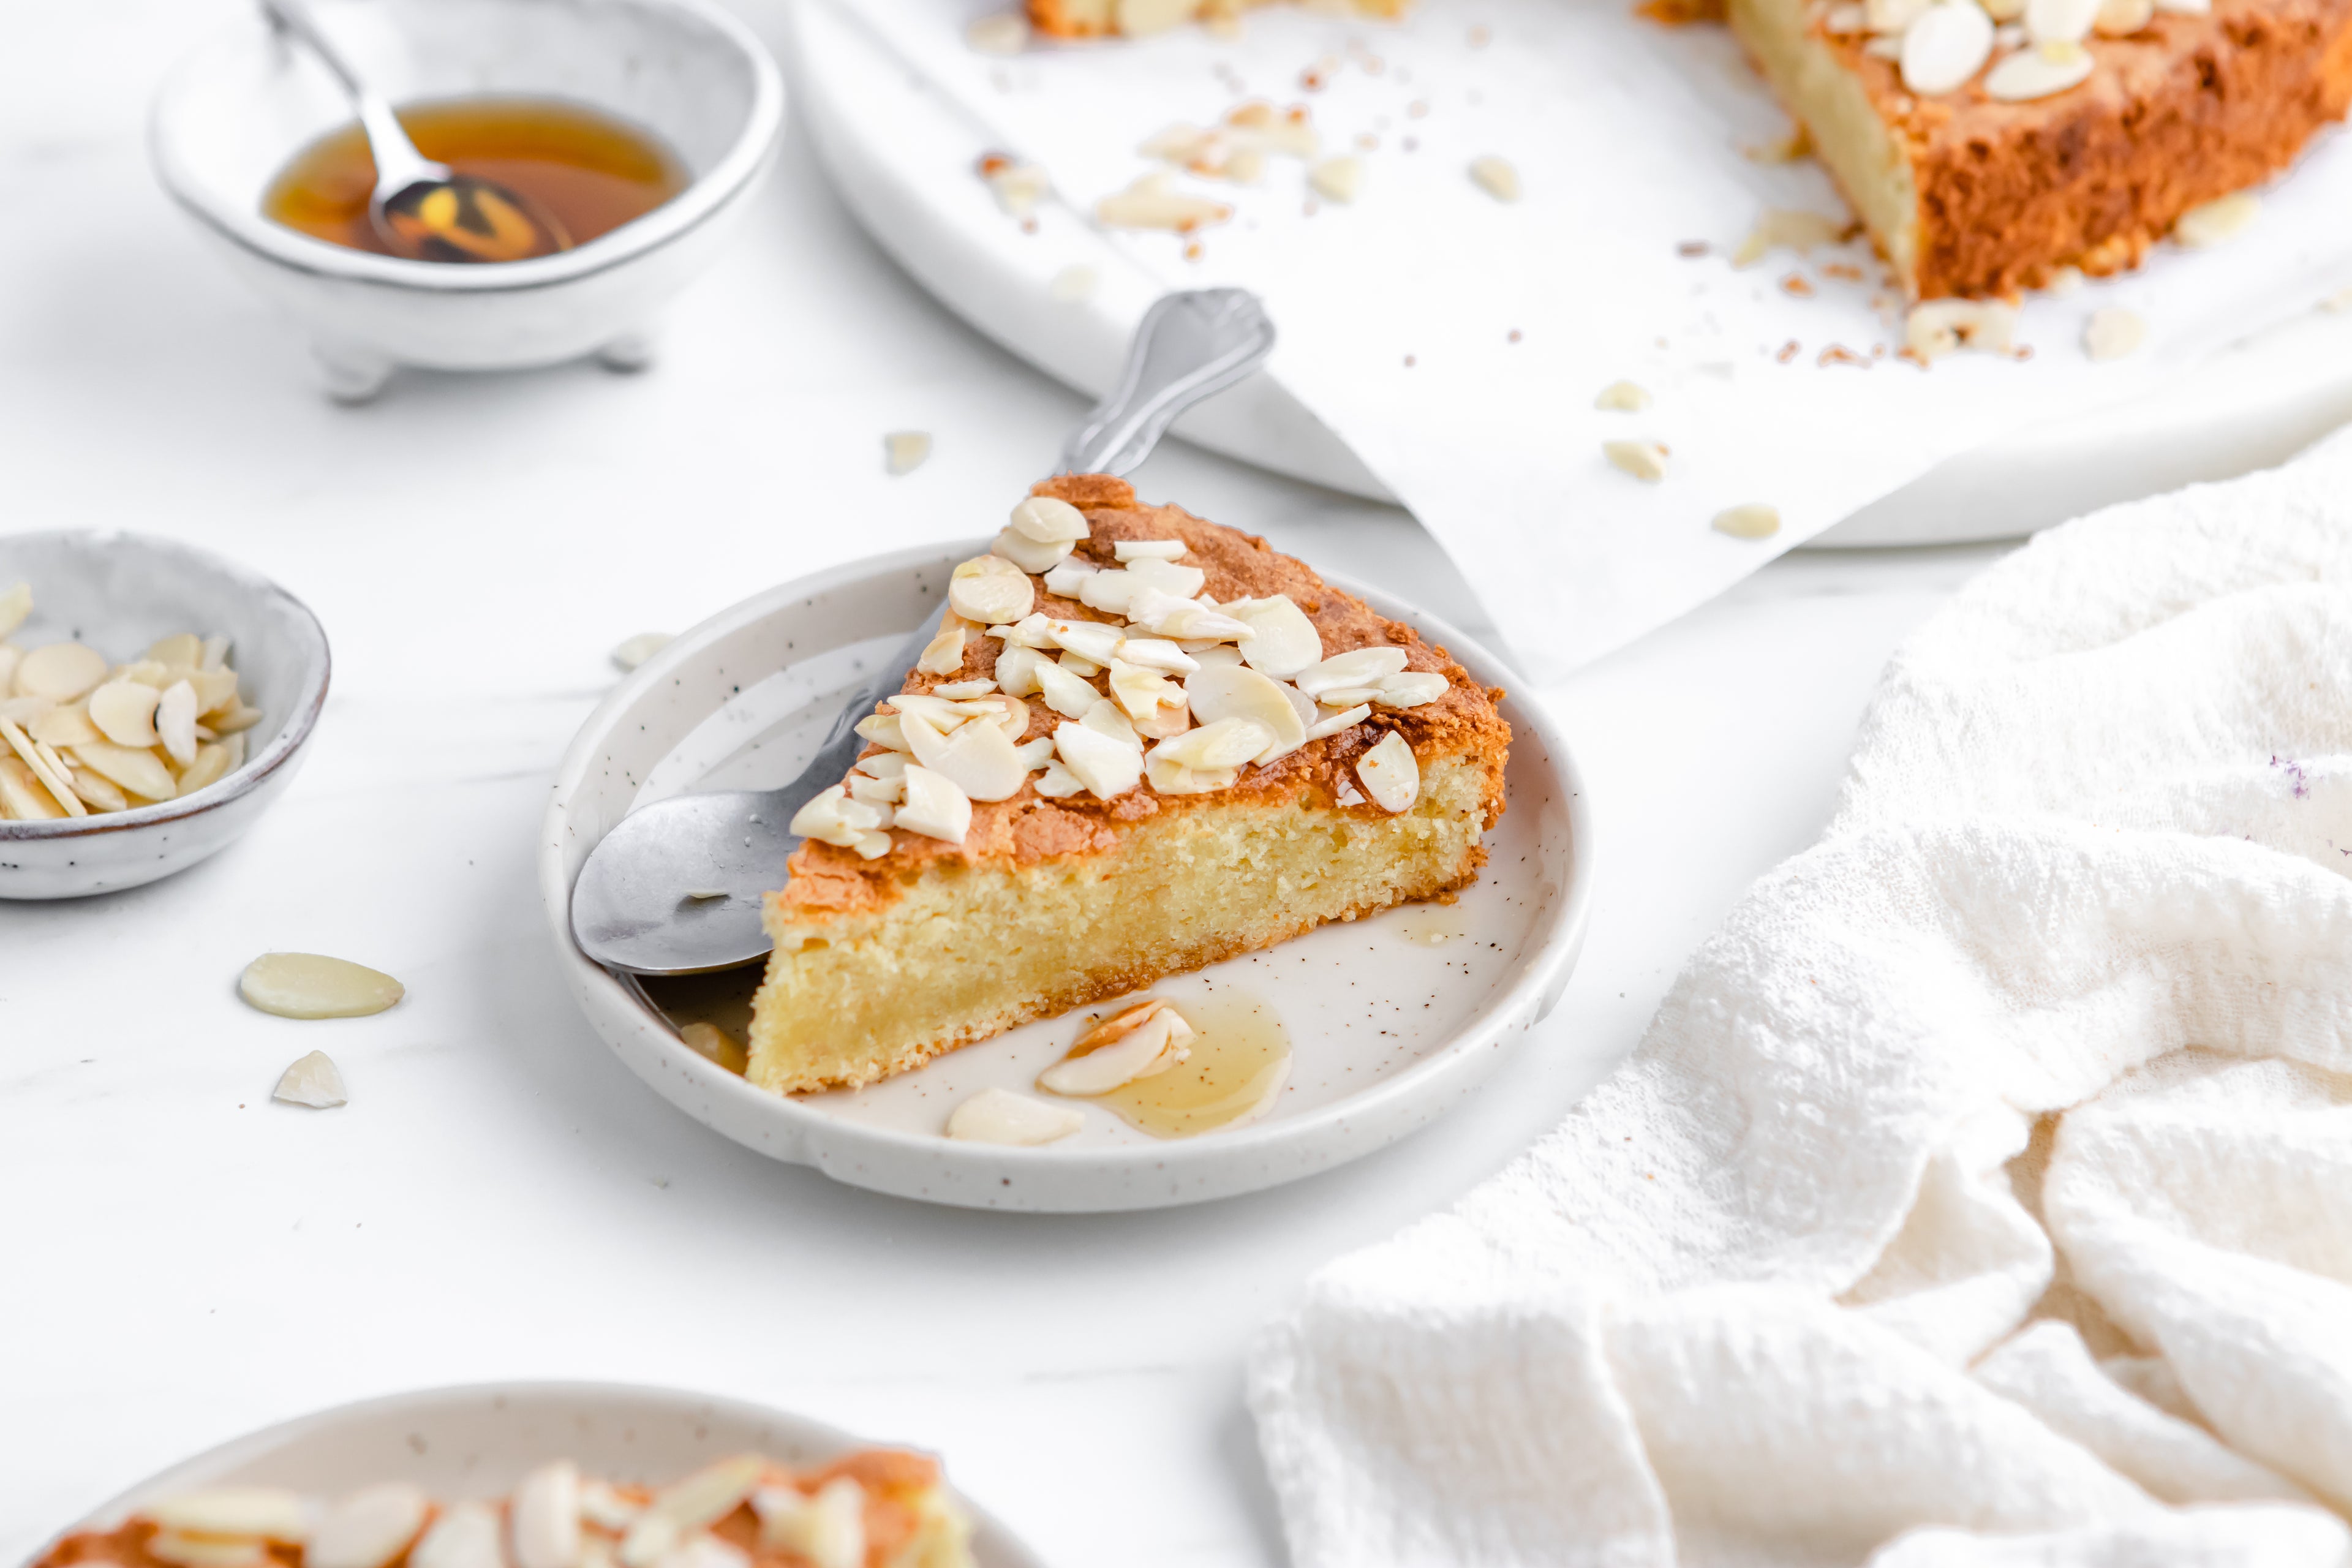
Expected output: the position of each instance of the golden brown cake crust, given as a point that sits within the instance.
(826, 880)
(2189, 109)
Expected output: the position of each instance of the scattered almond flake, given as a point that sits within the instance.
(1064, 692)
(1339, 179)
(1072, 284)
(1348, 696)
(2112, 333)
(2060, 21)
(176, 725)
(1105, 765)
(307, 985)
(15, 604)
(1411, 688)
(264, 1513)
(1787, 351)
(826, 1529)
(964, 690)
(1496, 177)
(989, 590)
(1153, 202)
(1156, 653)
(935, 807)
(1645, 460)
(124, 713)
(883, 729)
(61, 671)
(23, 796)
(42, 766)
(1227, 694)
(374, 1525)
(1623, 397)
(1027, 553)
(1017, 187)
(1344, 720)
(543, 1518)
(191, 1550)
(834, 816)
(1938, 326)
(1148, 549)
(1390, 774)
(943, 654)
(2122, 18)
(904, 451)
(1016, 1121)
(466, 1536)
(1948, 44)
(1356, 666)
(314, 1080)
(872, 846)
(2064, 280)
(977, 759)
(1141, 1042)
(1786, 229)
(707, 1039)
(2200, 228)
(2042, 71)
(1002, 32)
(1096, 642)
(1751, 520)
(1059, 783)
(641, 647)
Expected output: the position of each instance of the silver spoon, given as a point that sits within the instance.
(423, 210)
(674, 887)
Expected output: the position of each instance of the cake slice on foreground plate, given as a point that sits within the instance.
(1143, 742)
(1988, 144)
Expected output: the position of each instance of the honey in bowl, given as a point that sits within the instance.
(592, 171)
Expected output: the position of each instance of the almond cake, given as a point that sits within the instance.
(1142, 744)
(879, 1507)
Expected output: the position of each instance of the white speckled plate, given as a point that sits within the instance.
(479, 1441)
(1392, 1020)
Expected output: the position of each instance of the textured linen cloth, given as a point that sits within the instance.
(1983, 1192)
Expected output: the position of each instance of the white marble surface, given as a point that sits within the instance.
(185, 1260)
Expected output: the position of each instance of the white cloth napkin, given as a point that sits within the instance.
(1983, 1192)
(1458, 343)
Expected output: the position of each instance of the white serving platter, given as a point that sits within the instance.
(479, 1441)
(901, 152)
(1392, 1020)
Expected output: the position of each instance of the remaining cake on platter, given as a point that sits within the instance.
(1143, 742)
(1988, 143)
(1134, 18)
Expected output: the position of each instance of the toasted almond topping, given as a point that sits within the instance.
(1152, 202)
(1752, 520)
(2042, 71)
(1645, 460)
(1017, 670)
(990, 590)
(15, 604)
(1001, 1116)
(827, 1529)
(1356, 666)
(1282, 640)
(631, 653)
(2060, 21)
(872, 846)
(1391, 775)
(1098, 642)
(935, 807)
(190, 1550)
(267, 1513)
(1411, 688)
(1084, 668)
(2215, 223)
(374, 1525)
(1151, 1038)
(314, 1080)
(1059, 783)
(1108, 766)
(1158, 653)
(1168, 776)
(1128, 550)
(694, 1504)
(1345, 719)
(1348, 696)
(61, 672)
(1497, 177)
(943, 654)
(977, 759)
(1065, 693)
(1027, 553)
(1037, 753)
(1065, 579)
(1171, 617)
(1339, 179)
(965, 691)
(1218, 695)
(2122, 18)
(873, 791)
(1842, 20)
(1217, 746)
(1141, 691)
(1019, 187)
(1948, 45)
(1048, 520)
(884, 730)
(1622, 398)
(2112, 333)
(467, 1536)
(903, 451)
(307, 986)
(832, 816)
(1107, 718)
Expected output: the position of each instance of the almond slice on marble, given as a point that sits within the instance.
(1645, 460)
(374, 1525)
(1390, 774)
(311, 986)
(1750, 520)
(1497, 177)
(1339, 179)
(313, 1080)
(1015, 1121)
(1622, 398)
(904, 451)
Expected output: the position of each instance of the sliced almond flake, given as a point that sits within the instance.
(215, 653)
(1222, 743)
(978, 759)
(1153, 202)
(1167, 616)
(23, 797)
(543, 1518)
(1779, 228)
(904, 451)
(15, 604)
(627, 654)
(1108, 767)
(1109, 591)
(1356, 666)
(1622, 398)
(2215, 223)
(990, 590)
(2043, 70)
(1411, 688)
(1645, 460)
(310, 986)
(1049, 519)
(141, 772)
(181, 649)
(124, 713)
(696, 1504)
(236, 718)
(1217, 695)
(1894, 16)
(1214, 653)
(1347, 794)
(64, 726)
(190, 1550)
(1339, 179)
(1144, 1046)
(145, 671)
(1098, 642)
(1065, 580)
(1496, 177)
(465, 1536)
(9, 653)
(1176, 580)
(1019, 188)
(883, 729)
(1938, 326)
(1148, 549)
(1750, 519)
(1027, 553)
(98, 792)
(883, 766)
(61, 671)
(934, 808)
(216, 690)
(264, 1513)
(873, 844)
(1063, 692)
(1348, 696)
(2112, 333)
(1084, 668)
(875, 791)
(1059, 783)
(1030, 631)
(1339, 721)
(1170, 777)
(1282, 640)
(943, 654)
(831, 816)
(1107, 718)
(2122, 18)
(939, 712)
(825, 1530)
(374, 1525)
(1946, 48)
(1015, 1121)
(2060, 21)
(1158, 653)
(175, 722)
(1141, 691)
(1037, 753)
(52, 778)
(965, 691)
(314, 1080)
(1841, 21)
(235, 746)
(1017, 670)
(1390, 774)
(211, 766)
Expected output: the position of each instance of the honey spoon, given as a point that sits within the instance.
(674, 887)
(421, 210)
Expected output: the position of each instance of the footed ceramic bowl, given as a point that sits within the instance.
(479, 1441)
(118, 593)
(232, 115)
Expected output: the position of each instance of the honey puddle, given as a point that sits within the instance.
(1241, 1056)
(1430, 925)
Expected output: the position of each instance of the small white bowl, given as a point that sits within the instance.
(742, 701)
(229, 118)
(479, 1441)
(118, 593)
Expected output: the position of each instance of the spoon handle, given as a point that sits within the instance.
(398, 162)
(1188, 346)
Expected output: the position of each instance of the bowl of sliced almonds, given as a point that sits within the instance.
(155, 700)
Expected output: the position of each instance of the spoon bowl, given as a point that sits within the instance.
(463, 218)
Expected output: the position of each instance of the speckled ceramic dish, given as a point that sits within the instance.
(1390, 1020)
(479, 1441)
(118, 593)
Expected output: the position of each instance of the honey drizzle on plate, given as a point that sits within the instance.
(1241, 1055)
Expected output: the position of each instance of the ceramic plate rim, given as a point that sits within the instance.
(310, 700)
(198, 1468)
(1529, 991)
